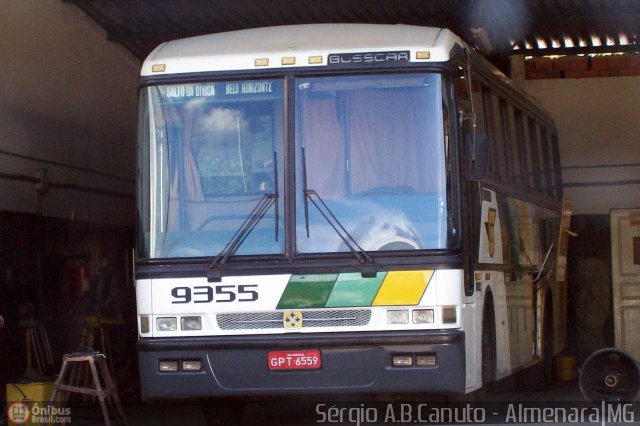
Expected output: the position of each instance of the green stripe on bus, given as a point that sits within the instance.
(352, 290)
(307, 291)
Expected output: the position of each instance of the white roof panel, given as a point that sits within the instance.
(237, 50)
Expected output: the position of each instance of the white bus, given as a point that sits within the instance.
(342, 208)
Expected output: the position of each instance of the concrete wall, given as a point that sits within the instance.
(598, 123)
(68, 104)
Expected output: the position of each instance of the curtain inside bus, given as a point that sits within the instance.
(372, 147)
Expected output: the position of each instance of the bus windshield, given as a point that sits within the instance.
(372, 150)
(369, 155)
(214, 151)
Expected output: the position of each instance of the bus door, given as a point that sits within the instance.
(470, 221)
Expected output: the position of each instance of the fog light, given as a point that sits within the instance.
(168, 366)
(402, 360)
(144, 324)
(167, 324)
(398, 317)
(449, 315)
(191, 323)
(423, 316)
(426, 361)
(191, 365)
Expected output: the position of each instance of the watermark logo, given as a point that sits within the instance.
(19, 413)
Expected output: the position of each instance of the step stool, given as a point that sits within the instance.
(72, 365)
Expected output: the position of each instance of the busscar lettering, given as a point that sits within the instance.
(368, 58)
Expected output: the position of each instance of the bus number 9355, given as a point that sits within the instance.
(219, 294)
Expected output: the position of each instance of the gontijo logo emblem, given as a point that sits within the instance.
(292, 319)
(490, 226)
(19, 413)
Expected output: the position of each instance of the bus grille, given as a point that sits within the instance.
(274, 320)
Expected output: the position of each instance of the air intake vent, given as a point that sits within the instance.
(310, 319)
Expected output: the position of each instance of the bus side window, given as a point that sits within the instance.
(463, 101)
(472, 117)
(556, 169)
(536, 158)
(478, 90)
(508, 142)
(497, 133)
(482, 141)
(547, 156)
(461, 90)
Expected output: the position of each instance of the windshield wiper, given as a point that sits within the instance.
(369, 266)
(255, 215)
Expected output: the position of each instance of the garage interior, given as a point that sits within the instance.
(68, 105)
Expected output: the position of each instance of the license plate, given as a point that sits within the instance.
(295, 360)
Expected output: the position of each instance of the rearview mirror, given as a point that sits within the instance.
(477, 165)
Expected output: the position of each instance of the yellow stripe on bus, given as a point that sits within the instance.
(402, 288)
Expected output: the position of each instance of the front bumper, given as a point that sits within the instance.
(351, 363)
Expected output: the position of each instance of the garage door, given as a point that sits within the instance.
(625, 259)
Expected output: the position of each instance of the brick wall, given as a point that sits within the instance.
(582, 66)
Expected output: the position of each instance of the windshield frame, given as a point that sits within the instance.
(274, 261)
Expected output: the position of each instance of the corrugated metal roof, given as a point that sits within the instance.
(498, 28)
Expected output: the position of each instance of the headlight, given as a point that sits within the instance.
(402, 361)
(423, 316)
(168, 366)
(167, 324)
(398, 317)
(191, 323)
(191, 365)
(427, 360)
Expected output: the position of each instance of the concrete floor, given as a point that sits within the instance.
(346, 410)
(299, 411)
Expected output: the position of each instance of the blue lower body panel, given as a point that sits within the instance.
(351, 363)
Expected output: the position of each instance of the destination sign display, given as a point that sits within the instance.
(245, 89)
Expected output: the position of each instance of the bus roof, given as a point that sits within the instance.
(296, 46)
